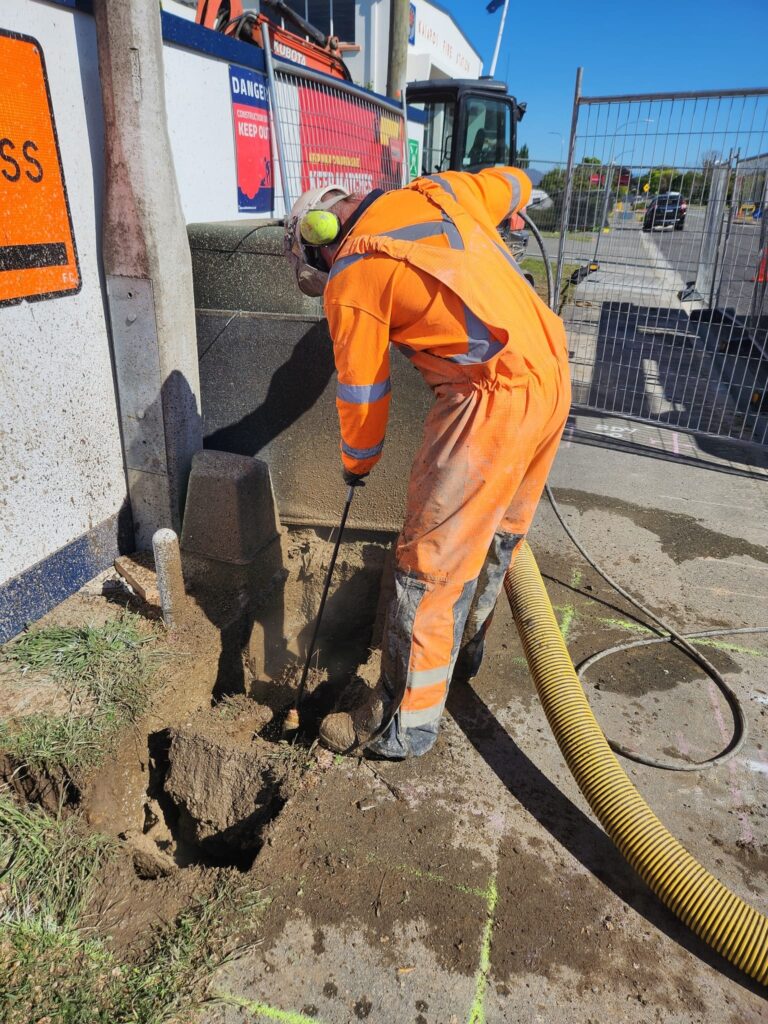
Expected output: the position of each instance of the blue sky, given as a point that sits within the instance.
(688, 45)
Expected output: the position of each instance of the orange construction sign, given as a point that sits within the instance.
(38, 258)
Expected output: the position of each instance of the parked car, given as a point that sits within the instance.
(666, 210)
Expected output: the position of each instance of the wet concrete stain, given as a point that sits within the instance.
(317, 839)
(551, 920)
(682, 537)
(654, 669)
(363, 1008)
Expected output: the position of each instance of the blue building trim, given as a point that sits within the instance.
(84, 6)
(192, 36)
(181, 32)
(40, 588)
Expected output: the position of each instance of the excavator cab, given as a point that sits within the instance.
(469, 123)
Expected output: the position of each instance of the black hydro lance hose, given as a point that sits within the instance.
(680, 640)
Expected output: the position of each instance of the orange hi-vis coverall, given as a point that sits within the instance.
(424, 268)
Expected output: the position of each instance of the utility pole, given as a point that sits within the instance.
(148, 270)
(399, 17)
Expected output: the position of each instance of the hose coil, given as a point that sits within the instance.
(718, 916)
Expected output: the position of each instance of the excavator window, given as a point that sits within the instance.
(438, 134)
(488, 133)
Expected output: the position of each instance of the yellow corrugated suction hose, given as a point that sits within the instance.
(718, 916)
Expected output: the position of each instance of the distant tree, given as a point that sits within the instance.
(553, 181)
(523, 157)
(589, 173)
(661, 179)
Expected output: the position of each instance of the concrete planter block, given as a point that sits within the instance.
(231, 513)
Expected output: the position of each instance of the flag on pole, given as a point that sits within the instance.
(494, 5)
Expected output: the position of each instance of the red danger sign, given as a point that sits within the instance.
(38, 258)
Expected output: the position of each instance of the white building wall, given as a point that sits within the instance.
(439, 50)
(199, 109)
(61, 468)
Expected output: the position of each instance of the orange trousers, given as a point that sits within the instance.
(489, 443)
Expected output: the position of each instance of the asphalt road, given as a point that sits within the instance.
(740, 258)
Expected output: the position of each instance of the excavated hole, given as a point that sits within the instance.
(218, 779)
(215, 786)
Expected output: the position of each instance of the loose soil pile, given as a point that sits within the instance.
(193, 789)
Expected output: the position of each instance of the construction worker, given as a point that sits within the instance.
(424, 268)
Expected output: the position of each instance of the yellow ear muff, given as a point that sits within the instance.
(319, 227)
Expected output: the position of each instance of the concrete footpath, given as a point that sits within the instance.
(474, 885)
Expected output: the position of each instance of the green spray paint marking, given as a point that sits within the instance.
(576, 578)
(721, 645)
(266, 1012)
(432, 876)
(477, 1013)
(569, 614)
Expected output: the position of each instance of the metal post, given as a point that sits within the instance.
(566, 211)
(276, 122)
(406, 148)
(148, 270)
(498, 39)
(759, 291)
(723, 247)
(706, 274)
(604, 209)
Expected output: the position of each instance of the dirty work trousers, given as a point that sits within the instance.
(489, 442)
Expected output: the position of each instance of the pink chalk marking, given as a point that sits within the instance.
(746, 834)
(675, 443)
(682, 744)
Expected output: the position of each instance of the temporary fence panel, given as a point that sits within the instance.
(662, 259)
(332, 131)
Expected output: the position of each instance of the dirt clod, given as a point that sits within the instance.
(226, 782)
(149, 860)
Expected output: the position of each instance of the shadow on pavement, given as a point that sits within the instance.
(693, 373)
(570, 827)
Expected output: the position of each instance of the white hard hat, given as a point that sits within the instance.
(311, 279)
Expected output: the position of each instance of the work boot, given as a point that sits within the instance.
(345, 731)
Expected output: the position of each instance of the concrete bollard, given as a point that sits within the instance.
(170, 578)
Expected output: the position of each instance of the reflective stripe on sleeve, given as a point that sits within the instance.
(443, 184)
(454, 236)
(362, 453)
(360, 394)
(516, 191)
(344, 262)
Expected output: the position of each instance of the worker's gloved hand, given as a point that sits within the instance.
(353, 479)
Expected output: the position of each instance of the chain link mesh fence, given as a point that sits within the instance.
(334, 132)
(662, 259)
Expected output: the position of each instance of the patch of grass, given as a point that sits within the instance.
(105, 672)
(577, 236)
(47, 866)
(535, 265)
(79, 653)
(53, 972)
